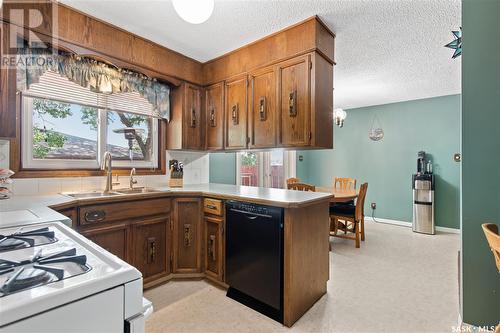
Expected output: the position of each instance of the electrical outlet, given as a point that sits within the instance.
(374, 205)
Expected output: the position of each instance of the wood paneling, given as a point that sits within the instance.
(303, 37)
(7, 91)
(83, 30)
(262, 109)
(151, 247)
(235, 94)
(294, 104)
(306, 262)
(214, 110)
(187, 235)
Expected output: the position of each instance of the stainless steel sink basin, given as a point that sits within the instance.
(96, 194)
(138, 190)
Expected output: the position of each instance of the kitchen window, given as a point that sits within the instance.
(66, 126)
(265, 169)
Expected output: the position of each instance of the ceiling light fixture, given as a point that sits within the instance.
(339, 116)
(194, 11)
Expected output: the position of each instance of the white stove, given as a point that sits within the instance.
(49, 271)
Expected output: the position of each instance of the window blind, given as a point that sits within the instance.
(56, 87)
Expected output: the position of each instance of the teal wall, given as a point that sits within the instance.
(223, 168)
(481, 158)
(432, 125)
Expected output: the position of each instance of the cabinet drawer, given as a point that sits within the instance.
(212, 206)
(110, 212)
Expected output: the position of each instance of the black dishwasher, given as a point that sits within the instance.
(254, 256)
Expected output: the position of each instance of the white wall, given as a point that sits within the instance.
(196, 171)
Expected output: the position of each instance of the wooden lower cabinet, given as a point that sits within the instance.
(113, 238)
(151, 247)
(187, 235)
(213, 244)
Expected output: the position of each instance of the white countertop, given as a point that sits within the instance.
(39, 211)
(22, 210)
(271, 196)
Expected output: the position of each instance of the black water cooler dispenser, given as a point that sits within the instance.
(423, 184)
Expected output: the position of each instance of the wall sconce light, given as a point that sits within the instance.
(339, 116)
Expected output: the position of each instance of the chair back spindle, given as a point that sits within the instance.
(344, 183)
(301, 187)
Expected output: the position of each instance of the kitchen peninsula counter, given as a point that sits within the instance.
(306, 230)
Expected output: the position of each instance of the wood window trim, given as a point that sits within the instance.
(15, 156)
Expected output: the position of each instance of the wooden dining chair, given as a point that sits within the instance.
(350, 219)
(301, 187)
(344, 183)
(491, 232)
(292, 180)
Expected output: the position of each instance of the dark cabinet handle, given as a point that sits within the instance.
(151, 250)
(187, 235)
(213, 120)
(234, 114)
(95, 216)
(262, 108)
(211, 247)
(292, 103)
(193, 117)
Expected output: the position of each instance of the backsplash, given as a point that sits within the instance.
(196, 171)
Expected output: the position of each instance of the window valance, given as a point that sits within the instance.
(89, 73)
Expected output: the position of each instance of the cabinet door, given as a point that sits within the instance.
(192, 122)
(214, 108)
(294, 86)
(151, 253)
(187, 237)
(262, 114)
(214, 247)
(236, 113)
(113, 239)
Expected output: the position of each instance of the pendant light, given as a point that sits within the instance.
(339, 116)
(194, 11)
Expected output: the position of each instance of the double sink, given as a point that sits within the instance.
(103, 194)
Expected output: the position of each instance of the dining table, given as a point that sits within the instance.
(339, 195)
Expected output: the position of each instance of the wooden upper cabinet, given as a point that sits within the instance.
(187, 221)
(294, 105)
(193, 120)
(262, 109)
(186, 127)
(214, 111)
(235, 93)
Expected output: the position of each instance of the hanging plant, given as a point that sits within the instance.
(376, 132)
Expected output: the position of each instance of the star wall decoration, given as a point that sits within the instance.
(456, 44)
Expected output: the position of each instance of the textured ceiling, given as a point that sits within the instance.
(386, 50)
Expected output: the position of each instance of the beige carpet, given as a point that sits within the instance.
(398, 281)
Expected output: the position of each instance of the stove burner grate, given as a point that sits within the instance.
(39, 270)
(31, 238)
